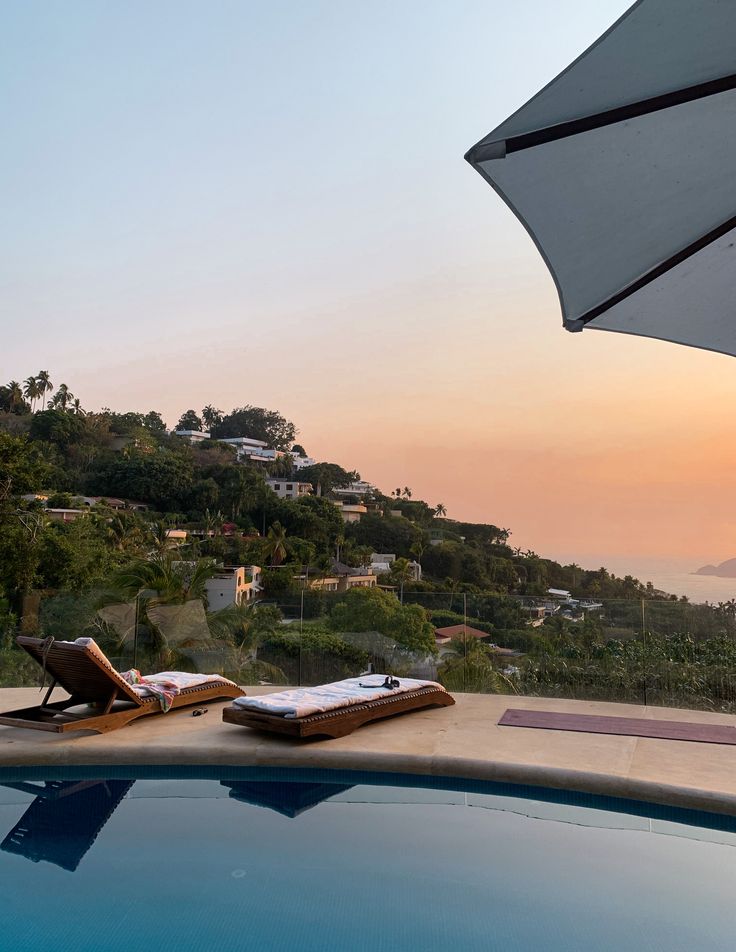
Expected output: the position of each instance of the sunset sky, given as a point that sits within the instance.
(237, 203)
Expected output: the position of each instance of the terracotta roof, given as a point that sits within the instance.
(456, 631)
(443, 635)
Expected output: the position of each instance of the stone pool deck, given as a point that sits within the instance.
(460, 741)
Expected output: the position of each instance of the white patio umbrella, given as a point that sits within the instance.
(623, 171)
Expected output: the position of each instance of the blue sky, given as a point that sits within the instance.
(171, 163)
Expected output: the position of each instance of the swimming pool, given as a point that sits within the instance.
(321, 861)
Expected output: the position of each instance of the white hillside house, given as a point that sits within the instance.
(233, 585)
(289, 488)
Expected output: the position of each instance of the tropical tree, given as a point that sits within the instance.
(339, 543)
(257, 423)
(244, 627)
(210, 416)
(469, 666)
(282, 467)
(14, 396)
(275, 547)
(33, 391)
(401, 573)
(373, 609)
(76, 408)
(327, 476)
(241, 488)
(417, 550)
(172, 581)
(62, 398)
(189, 421)
(159, 536)
(439, 510)
(154, 422)
(44, 382)
(123, 533)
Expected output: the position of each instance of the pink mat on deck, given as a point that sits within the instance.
(630, 726)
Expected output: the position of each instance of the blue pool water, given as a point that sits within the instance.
(320, 862)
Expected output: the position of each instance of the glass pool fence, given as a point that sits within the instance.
(656, 652)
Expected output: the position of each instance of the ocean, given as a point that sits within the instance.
(698, 588)
(670, 575)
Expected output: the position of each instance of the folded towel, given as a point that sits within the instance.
(301, 702)
(167, 684)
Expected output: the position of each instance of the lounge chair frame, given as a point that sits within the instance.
(342, 721)
(89, 679)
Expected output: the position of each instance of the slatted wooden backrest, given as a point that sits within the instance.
(82, 670)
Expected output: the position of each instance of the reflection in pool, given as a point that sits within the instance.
(333, 862)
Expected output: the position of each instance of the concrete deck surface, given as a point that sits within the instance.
(460, 741)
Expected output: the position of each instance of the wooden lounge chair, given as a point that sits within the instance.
(342, 721)
(87, 676)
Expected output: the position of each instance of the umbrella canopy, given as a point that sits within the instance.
(623, 171)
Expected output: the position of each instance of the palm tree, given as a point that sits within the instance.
(469, 666)
(417, 550)
(282, 467)
(44, 382)
(439, 510)
(239, 490)
(452, 585)
(275, 547)
(402, 572)
(122, 531)
(15, 395)
(62, 397)
(160, 536)
(173, 582)
(241, 628)
(32, 391)
(76, 408)
(211, 416)
(407, 492)
(212, 523)
(161, 580)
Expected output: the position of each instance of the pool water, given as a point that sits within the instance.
(332, 862)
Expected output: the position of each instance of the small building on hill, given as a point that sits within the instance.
(443, 636)
(289, 488)
(233, 585)
(350, 512)
(193, 436)
(66, 515)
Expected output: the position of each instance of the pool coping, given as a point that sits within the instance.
(463, 742)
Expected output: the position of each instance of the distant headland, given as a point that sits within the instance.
(726, 569)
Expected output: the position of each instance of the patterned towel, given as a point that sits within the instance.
(167, 684)
(301, 702)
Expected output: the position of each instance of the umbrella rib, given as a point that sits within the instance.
(667, 265)
(563, 130)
